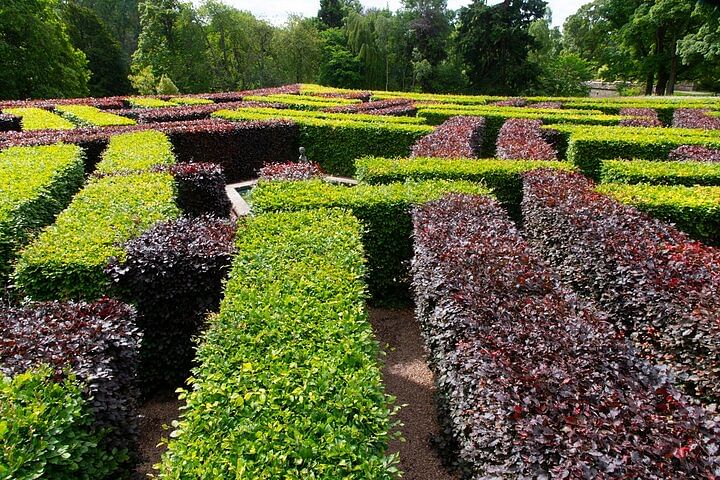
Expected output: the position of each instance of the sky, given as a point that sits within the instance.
(276, 11)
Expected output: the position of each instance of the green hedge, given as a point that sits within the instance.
(437, 97)
(503, 177)
(149, 102)
(353, 117)
(660, 173)
(695, 210)
(84, 115)
(301, 102)
(384, 210)
(335, 144)
(36, 183)
(288, 385)
(40, 119)
(68, 258)
(191, 101)
(587, 147)
(46, 430)
(136, 151)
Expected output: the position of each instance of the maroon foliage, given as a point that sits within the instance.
(201, 189)
(547, 105)
(98, 342)
(106, 103)
(291, 171)
(224, 97)
(695, 118)
(9, 123)
(533, 383)
(523, 139)
(191, 112)
(652, 280)
(640, 117)
(456, 138)
(695, 153)
(511, 102)
(363, 96)
(402, 106)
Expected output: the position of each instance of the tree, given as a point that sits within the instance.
(122, 18)
(166, 86)
(298, 50)
(338, 67)
(88, 33)
(494, 42)
(700, 49)
(331, 13)
(37, 57)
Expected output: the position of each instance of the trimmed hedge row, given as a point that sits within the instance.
(84, 115)
(533, 383)
(522, 139)
(148, 102)
(95, 343)
(695, 118)
(36, 183)
(384, 211)
(401, 106)
(33, 118)
(300, 102)
(436, 97)
(651, 279)
(355, 117)
(200, 189)
(693, 209)
(502, 177)
(192, 112)
(335, 144)
(291, 171)
(288, 384)
(10, 123)
(66, 261)
(660, 173)
(135, 152)
(456, 138)
(173, 275)
(695, 153)
(190, 101)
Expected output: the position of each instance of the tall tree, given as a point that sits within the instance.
(122, 18)
(494, 42)
(298, 48)
(331, 13)
(338, 66)
(38, 60)
(87, 32)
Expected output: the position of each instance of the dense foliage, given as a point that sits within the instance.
(290, 362)
(290, 171)
(201, 189)
(135, 152)
(521, 139)
(533, 383)
(85, 115)
(660, 173)
(458, 137)
(40, 119)
(695, 153)
(651, 279)
(695, 118)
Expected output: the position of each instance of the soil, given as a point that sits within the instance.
(408, 378)
(161, 409)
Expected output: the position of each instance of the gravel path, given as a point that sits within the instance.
(408, 378)
(157, 411)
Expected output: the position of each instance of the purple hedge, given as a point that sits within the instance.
(640, 117)
(291, 171)
(387, 106)
(695, 118)
(532, 382)
(511, 102)
(201, 189)
(10, 123)
(651, 279)
(523, 139)
(97, 341)
(456, 138)
(694, 153)
(192, 112)
(173, 274)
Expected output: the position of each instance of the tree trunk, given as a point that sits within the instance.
(662, 77)
(670, 88)
(649, 82)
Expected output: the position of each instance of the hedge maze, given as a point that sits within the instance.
(561, 255)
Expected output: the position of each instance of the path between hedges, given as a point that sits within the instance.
(408, 378)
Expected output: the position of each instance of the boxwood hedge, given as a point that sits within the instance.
(660, 173)
(694, 210)
(40, 119)
(533, 382)
(67, 260)
(136, 152)
(288, 384)
(301, 102)
(85, 115)
(384, 211)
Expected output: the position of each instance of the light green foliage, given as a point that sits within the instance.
(166, 86)
(36, 183)
(191, 101)
(384, 211)
(84, 115)
(40, 119)
(434, 97)
(335, 144)
(67, 260)
(136, 151)
(46, 430)
(149, 102)
(660, 172)
(288, 384)
(301, 102)
(695, 210)
(347, 117)
(503, 177)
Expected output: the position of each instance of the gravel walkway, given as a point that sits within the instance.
(408, 378)
(157, 411)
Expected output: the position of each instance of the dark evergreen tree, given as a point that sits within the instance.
(331, 13)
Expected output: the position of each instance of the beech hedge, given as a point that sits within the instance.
(384, 211)
(201, 189)
(522, 139)
(33, 118)
(95, 343)
(534, 383)
(85, 115)
(192, 112)
(291, 171)
(456, 138)
(695, 153)
(135, 152)
(173, 275)
(300, 102)
(660, 173)
(693, 209)
(695, 118)
(288, 384)
(36, 183)
(401, 106)
(335, 144)
(651, 279)
(10, 123)
(355, 117)
(67, 260)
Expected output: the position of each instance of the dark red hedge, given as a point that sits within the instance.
(191, 112)
(98, 341)
(532, 382)
(291, 171)
(550, 105)
(363, 96)
(695, 118)
(106, 103)
(201, 189)
(10, 123)
(694, 153)
(511, 102)
(173, 274)
(223, 97)
(455, 138)
(640, 117)
(651, 279)
(395, 104)
(523, 139)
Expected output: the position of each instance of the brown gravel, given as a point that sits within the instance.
(409, 379)
(159, 410)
